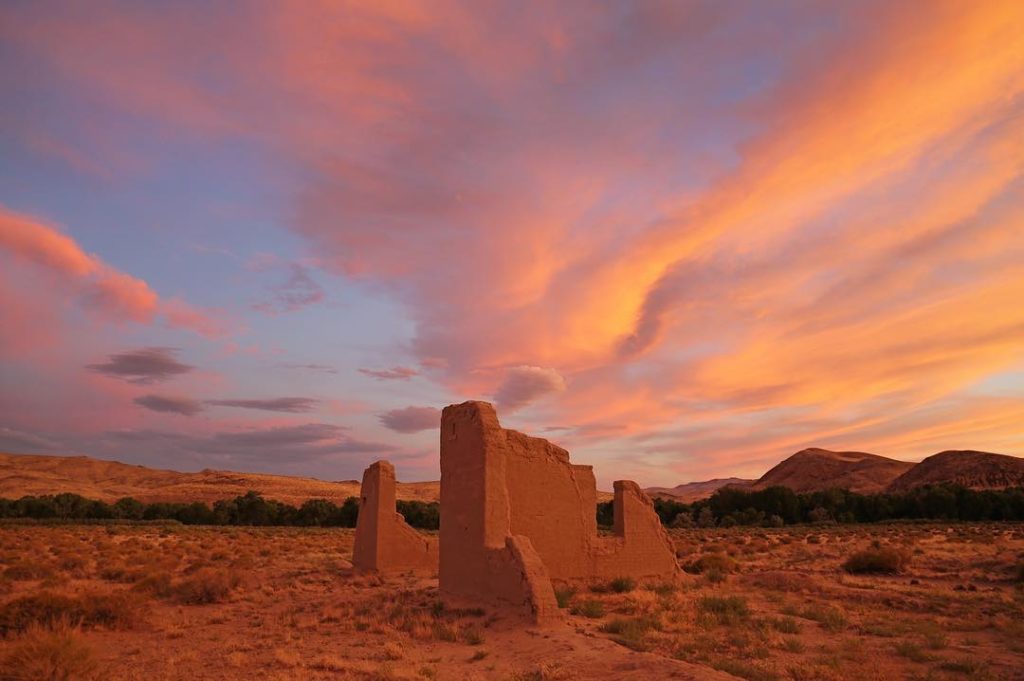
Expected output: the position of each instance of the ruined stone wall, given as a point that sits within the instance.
(501, 489)
(384, 541)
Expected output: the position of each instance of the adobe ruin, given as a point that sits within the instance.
(516, 513)
(384, 541)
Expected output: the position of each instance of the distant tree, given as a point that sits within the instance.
(253, 509)
(682, 521)
(347, 514)
(819, 515)
(70, 506)
(128, 508)
(425, 516)
(316, 512)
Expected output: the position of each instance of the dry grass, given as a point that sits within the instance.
(167, 603)
(206, 585)
(118, 610)
(793, 612)
(884, 560)
(55, 653)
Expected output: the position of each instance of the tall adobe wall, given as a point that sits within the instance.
(384, 541)
(481, 560)
(499, 485)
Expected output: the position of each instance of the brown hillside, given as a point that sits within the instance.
(976, 470)
(690, 492)
(813, 470)
(22, 474)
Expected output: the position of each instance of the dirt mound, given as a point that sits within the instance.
(975, 470)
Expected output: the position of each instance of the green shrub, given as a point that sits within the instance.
(206, 585)
(631, 632)
(589, 608)
(564, 594)
(718, 562)
(621, 585)
(472, 636)
(831, 619)
(876, 560)
(785, 625)
(724, 609)
(156, 583)
(912, 652)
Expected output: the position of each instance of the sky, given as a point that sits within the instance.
(681, 239)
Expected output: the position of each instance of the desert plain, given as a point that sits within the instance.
(165, 601)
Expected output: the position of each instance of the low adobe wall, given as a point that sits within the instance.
(384, 541)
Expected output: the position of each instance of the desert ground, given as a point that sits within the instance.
(174, 602)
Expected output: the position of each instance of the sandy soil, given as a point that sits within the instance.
(170, 602)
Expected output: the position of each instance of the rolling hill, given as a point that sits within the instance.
(975, 470)
(23, 474)
(813, 470)
(809, 470)
(690, 492)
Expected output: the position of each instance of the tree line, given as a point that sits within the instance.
(778, 506)
(248, 509)
(772, 507)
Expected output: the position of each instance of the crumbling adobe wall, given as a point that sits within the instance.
(498, 484)
(641, 547)
(384, 541)
(481, 559)
(554, 503)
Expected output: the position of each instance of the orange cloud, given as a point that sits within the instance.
(852, 260)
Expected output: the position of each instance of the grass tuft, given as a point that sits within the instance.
(728, 610)
(593, 609)
(46, 653)
(564, 594)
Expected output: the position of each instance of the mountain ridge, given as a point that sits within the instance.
(966, 467)
(809, 470)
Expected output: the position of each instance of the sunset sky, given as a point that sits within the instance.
(683, 240)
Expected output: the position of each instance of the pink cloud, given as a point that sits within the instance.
(544, 203)
(100, 288)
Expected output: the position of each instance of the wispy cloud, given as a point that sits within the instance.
(392, 374)
(143, 366)
(292, 405)
(185, 406)
(411, 419)
(812, 235)
(284, 445)
(297, 292)
(325, 368)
